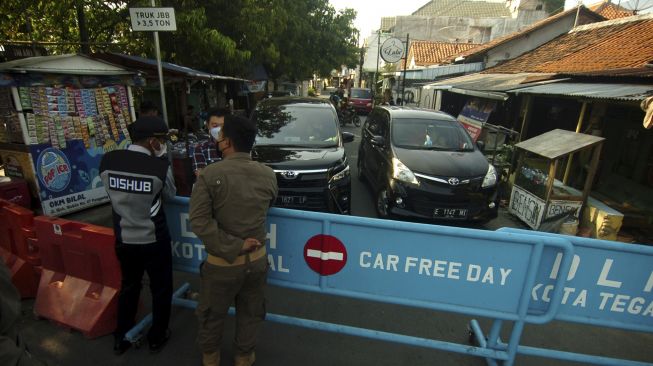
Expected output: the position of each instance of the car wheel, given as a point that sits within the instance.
(383, 204)
(359, 170)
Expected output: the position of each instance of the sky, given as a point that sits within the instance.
(370, 12)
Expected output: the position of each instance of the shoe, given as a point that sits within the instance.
(211, 359)
(245, 360)
(120, 346)
(156, 347)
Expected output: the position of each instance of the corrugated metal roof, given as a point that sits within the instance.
(493, 82)
(627, 92)
(436, 72)
(491, 86)
(141, 62)
(72, 64)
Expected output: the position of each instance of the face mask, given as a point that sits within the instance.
(162, 151)
(215, 131)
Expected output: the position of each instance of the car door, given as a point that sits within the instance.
(365, 147)
(383, 153)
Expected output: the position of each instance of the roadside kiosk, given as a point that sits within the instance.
(537, 196)
(58, 116)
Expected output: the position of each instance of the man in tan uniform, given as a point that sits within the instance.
(228, 209)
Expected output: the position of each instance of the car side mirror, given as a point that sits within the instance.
(481, 145)
(347, 137)
(378, 141)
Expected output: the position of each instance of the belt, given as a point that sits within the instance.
(240, 260)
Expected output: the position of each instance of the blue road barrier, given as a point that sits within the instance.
(467, 271)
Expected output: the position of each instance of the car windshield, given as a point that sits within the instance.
(361, 94)
(295, 125)
(430, 134)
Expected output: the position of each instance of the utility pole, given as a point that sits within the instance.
(403, 88)
(83, 31)
(360, 67)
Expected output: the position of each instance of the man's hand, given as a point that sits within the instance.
(250, 245)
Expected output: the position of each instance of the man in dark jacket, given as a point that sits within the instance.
(137, 179)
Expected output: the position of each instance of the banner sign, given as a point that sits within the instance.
(474, 114)
(68, 178)
(18, 164)
(451, 269)
(609, 283)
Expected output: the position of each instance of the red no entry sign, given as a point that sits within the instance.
(325, 254)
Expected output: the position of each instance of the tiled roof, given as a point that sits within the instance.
(586, 14)
(463, 8)
(609, 10)
(614, 44)
(432, 53)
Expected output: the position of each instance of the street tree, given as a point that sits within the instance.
(291, 38)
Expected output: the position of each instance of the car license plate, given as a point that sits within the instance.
(450, 213)
(291, 200)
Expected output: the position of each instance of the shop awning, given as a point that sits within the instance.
(557, 143)
(609, 91)
(71, 64)
(169, 69)
(491, 86)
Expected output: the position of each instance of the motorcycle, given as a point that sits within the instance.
(347, 114)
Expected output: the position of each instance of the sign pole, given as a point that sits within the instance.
(403, 86)
(164, 109)
(378, 53)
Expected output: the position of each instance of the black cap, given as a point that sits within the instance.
(148, 126)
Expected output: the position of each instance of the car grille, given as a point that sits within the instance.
(432, 194)
(313, 186)
(303, 181)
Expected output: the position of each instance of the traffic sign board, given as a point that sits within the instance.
(153, 19)
(325, 254)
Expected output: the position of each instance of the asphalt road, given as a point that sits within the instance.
(294, 346)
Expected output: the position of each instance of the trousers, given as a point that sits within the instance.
(156, 260)
(220, 286)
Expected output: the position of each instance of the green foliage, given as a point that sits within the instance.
(291, 38)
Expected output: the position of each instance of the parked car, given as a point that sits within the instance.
(361, 100)
(423, 164)
(300, 139)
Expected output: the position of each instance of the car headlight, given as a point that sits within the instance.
(340, 175)
(490, 177)
(402, 173)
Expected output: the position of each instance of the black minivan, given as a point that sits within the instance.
(423, 164)
(300, 139)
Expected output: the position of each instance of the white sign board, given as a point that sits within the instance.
(153, 19)
(528, 207)
(559, 207)
(392, 50)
